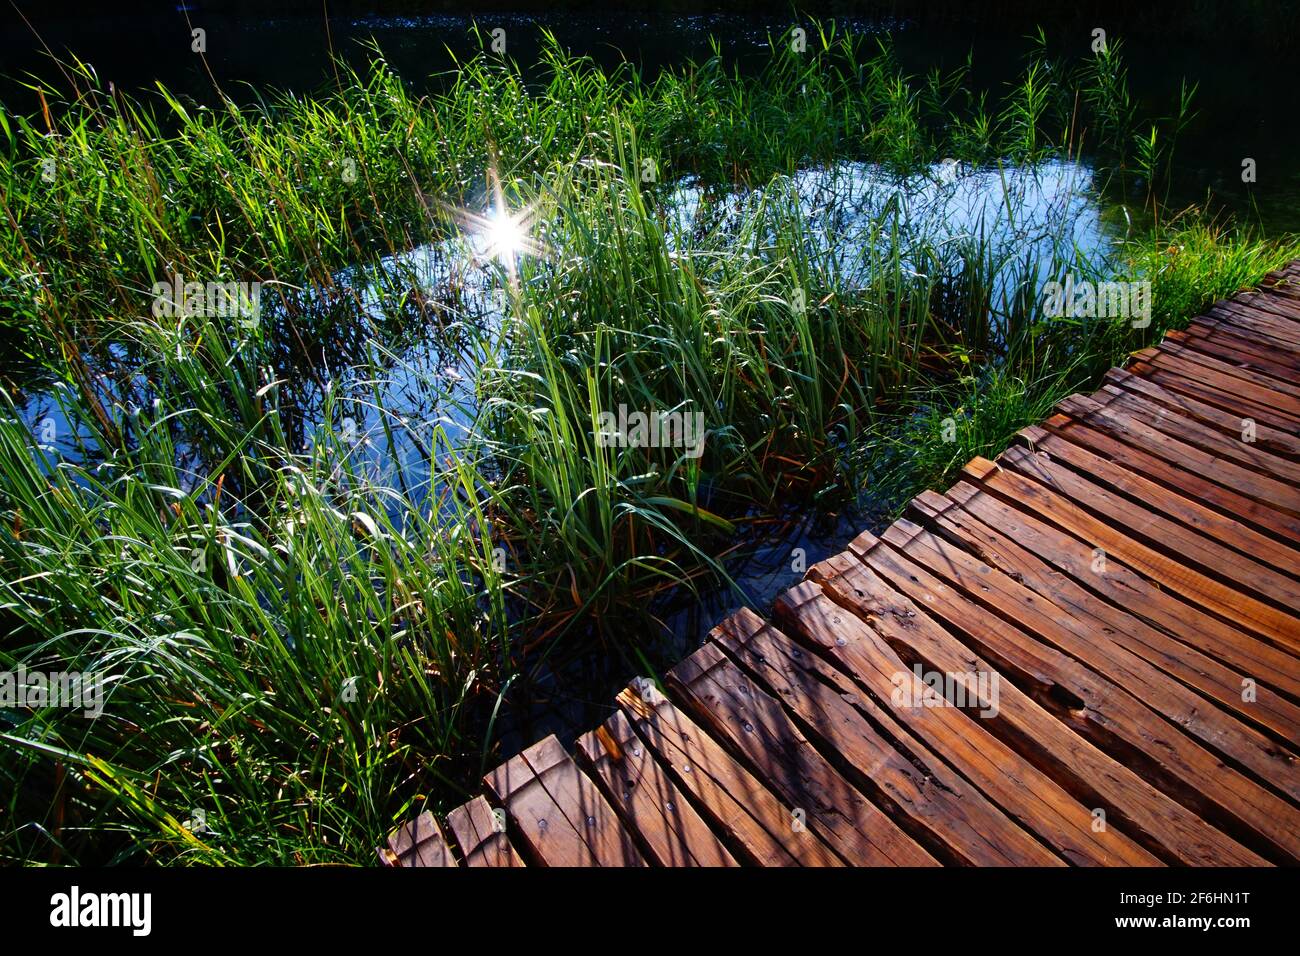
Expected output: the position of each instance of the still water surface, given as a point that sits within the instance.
(1034, 212)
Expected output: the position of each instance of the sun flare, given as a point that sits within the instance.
(504, 235)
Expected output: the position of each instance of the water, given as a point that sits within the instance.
(423, 386)
(856, 213)
(1241, 93)
(1026, 218)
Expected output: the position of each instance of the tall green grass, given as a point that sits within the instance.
(301, 643)
(1190, 263)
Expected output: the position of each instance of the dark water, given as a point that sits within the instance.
(1046, 210)
(1242, 98)
(1031, 218)
(1057, 201)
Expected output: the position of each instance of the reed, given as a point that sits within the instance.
(306, 632)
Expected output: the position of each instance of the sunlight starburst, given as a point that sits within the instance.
(500, 234)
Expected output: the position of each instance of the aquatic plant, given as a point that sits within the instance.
(307, 603)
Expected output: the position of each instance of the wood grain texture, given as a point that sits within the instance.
(1086, 652)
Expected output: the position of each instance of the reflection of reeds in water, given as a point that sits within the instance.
(312, 552)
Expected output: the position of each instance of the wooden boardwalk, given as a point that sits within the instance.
(1086, 652)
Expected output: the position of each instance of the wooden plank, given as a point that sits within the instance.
(1103, 713)
(1268, 490)
(1267, 313)
(649, 803)
(418, 843)
(1281, 301)
(1258, 388)
(926, 797)
(542, 828)
(1031, 797)
(1252, 302)
(1280, 280)
(1229, 401)
(1129, 801)
(1181, 660)
(1280, 291)
(1283, 291)
(728, 796)
(1202, 564)
(1145, 704)
(1266, 389)
(1263, 319)
(1284, 275)
(1274, 311)
(1263, 518)
(583, 806)
(1228, 532)
(1234, 317)
(1197, 434)
(757, 727)
(1228, 351)
(1211, 331)
(481, 842)
(1284, 298)
(1273, 440)
(1122, 587)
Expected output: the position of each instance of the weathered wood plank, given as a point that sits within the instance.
(1026, 719)
(1264, 320)
(1108, 716)
(1213, 329)
(1227, 532)
(1263, 488)
(1228, 400)
(418, 843)
(1269, 313)
(1280, 303)
(1276, 441)
(650, 804)
(1227, 350)
(1259, 388)
(727, 795)
(582, 804)
(539, 823)
(928, 799)
(756, 726)
(1273, 312)
(1138, 702)
(1285, 528)
(1144, 539)
(1284, 279)
(1212, 332)
(1183, 661)
(1033, 798)
(474, 827)
(1124, 588)
(1187, 429)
